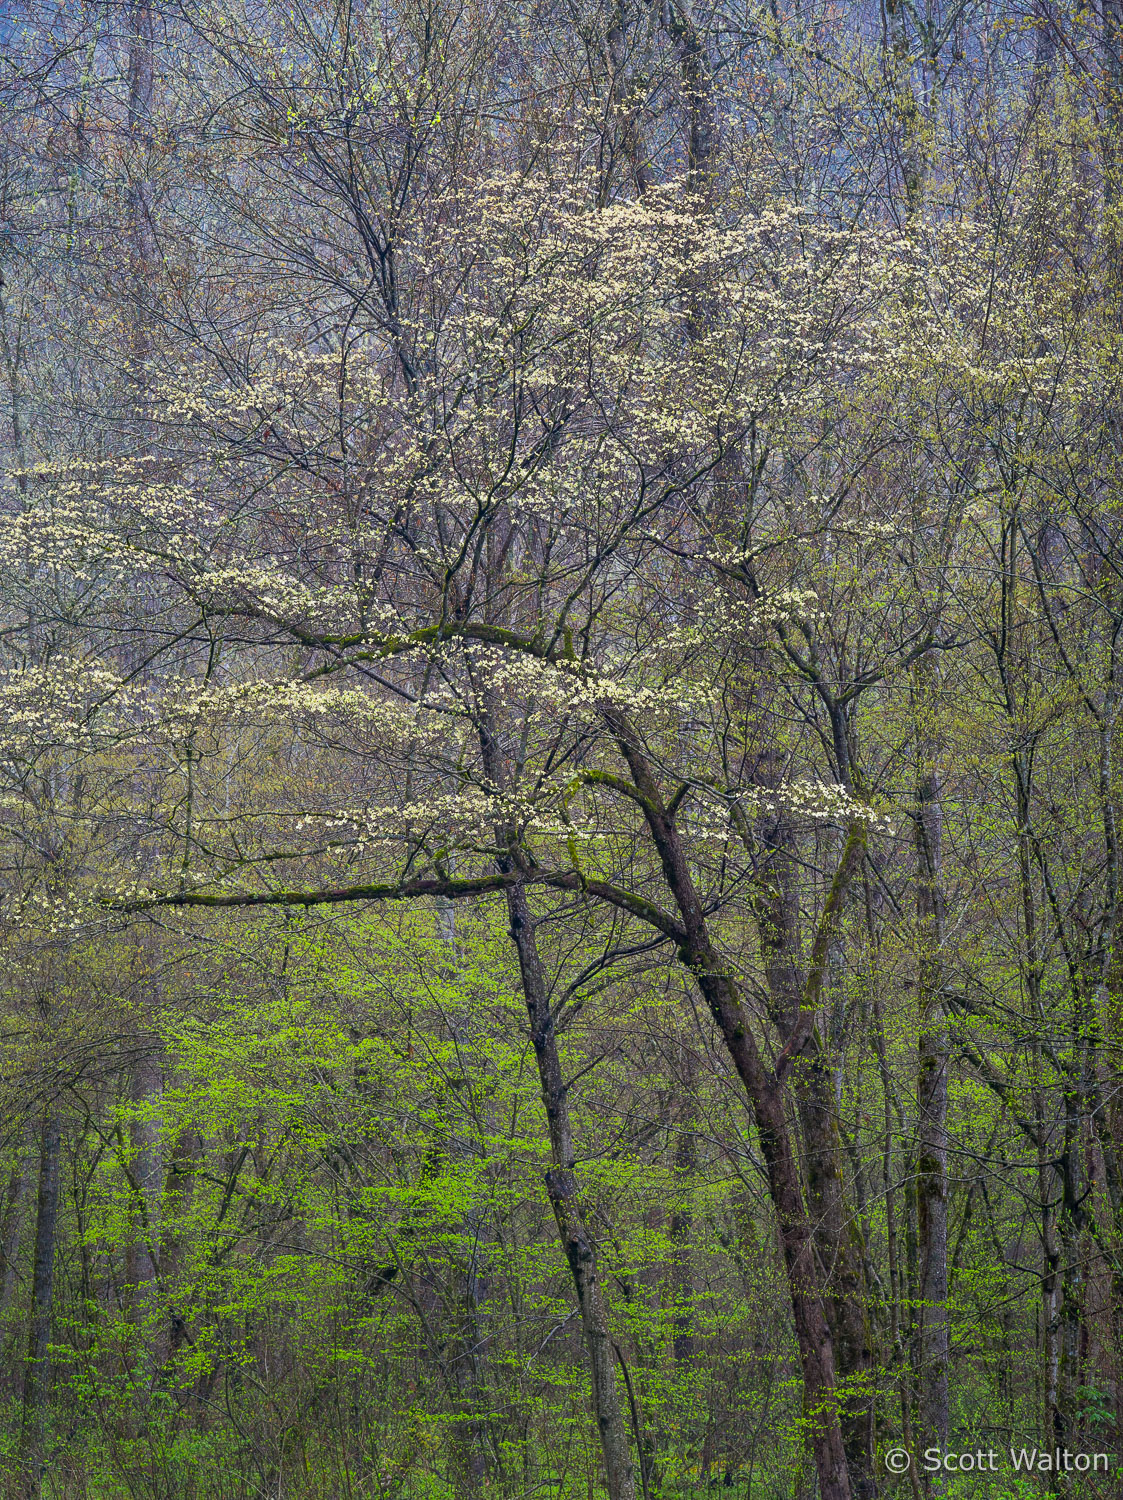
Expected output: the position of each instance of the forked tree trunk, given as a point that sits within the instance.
(766, 1094)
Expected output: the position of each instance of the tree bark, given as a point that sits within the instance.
(1111, 53)
(766, 1094)
(37, 1370)
(141, 67)
(905, 106)
(932, 1082)
(837, 1239)
(682, 1220)
(468, 1434)
(563, 1191)
(562, 1186)
(183, 1165)
(146, 1174)
(12, 1228)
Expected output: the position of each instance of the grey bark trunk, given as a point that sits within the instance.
(1111, 45)
(142, 1268)
(563, 1190)
(697, 86)
(183, 1165)
(37, 1370)
(932, 1083)
(11, 1232)
(468, 1436)
(141, 95)
(836, 1235)
(146, 1082)
(682, 1220)
(905, 106)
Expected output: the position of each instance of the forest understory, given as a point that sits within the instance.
(561, 831)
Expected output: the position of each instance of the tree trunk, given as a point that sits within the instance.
(682, 1220)
(12, 1227)
(932, 1085)
(698, 89)
(562, 1187)
(146, 1082)
(563, 1191)
(1111, 48)
(905, 106)
(183, 1166)
(821, 1405)
(468, 1434)
(766, 1097)
(11, 1237)
(37, 1371)
(1053, 1425)
(141, 94)
(146, 1171)
(836, 1236)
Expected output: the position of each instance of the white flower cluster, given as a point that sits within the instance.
(70, 702)
(377, 719)
(818, 801)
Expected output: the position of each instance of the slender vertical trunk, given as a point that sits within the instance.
(1111, 55)
(146, 1172)
(1108, 1117)
(1044, 48)
(622, 129)
(140, 126)
(11, 1238)
(37, 1371)
(905, 106)
(682, 1220)
(183, 1165)
(12, 349)
(1071, 1326)
(468, 1435)
(838, 1244)
(11, 1227)
(1046, 1170)
(1076, 1181)
(146, 1082)
(1053, 1424)
(563, 1190)
(1109, 1124)
(1047, 1175)
(698, 89)
(562, 1185)
(932, 1081)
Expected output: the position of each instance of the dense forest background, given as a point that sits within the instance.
(561, 818)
